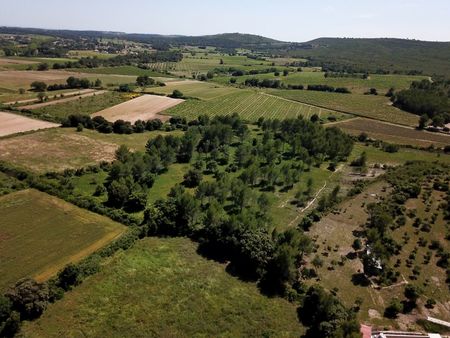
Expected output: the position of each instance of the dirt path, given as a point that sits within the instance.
(68, 99)
(78, 92)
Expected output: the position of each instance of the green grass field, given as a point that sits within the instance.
(163, 288)
(250, 105)
(86, 105)
(370, 106)
(201, 90)
(356, 85)
(40, 234)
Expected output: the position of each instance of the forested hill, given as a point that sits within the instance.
(379, 54)
(227, 40)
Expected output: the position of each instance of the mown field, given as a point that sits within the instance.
(370, 106)
(40, 234)
(356, 85)
(163, 288)
(62, 148)
(393, 133)
(251, 105)
(121, 70)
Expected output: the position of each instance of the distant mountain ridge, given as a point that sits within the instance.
(348, 54)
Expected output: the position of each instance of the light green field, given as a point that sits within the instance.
(375, 107)
(201, 90)
(250, 105)
(40, 234)
(86, 105)
(356, 85)
(163, 288)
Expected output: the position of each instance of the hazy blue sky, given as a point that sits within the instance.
(290, 20)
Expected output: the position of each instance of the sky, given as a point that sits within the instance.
(287, 20)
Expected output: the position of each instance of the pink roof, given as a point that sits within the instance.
(366, 331)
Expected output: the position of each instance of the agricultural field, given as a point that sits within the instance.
(356, 85)
(122, 70)
(13, 124)
(370, 106)
(162, 287)
(40, 234)
(251, 105)
(63, 100)
(145, 107)
(64, 148)
(87, 105)
(190, 88)
(203, 61)
(393, 133)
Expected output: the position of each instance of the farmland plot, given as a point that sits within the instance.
(393, 133)
(40, 234)
(12, 124)
(250, 105)
(145, 107)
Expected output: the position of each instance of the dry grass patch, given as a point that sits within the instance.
(145, 107)
(13, 124)
(67, 99)
(55, 150)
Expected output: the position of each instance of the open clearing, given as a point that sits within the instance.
(64, 148)
(67, 99)
(145, 107)
(393, 133)
(163, 288)
(13, 123)
(40, 234)
(251, 105)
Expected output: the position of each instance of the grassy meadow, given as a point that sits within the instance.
(163, 288)
(40, 234)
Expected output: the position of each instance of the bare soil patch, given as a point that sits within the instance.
(145, 107)
(67, 99)
(13, 124)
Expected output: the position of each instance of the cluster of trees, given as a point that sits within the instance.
(326, 88)
(325, 316)
(100, 124)
(233, 71)
(264, 83)
(430, 100)
(139, 59)
(71, 83)
(363, 76)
